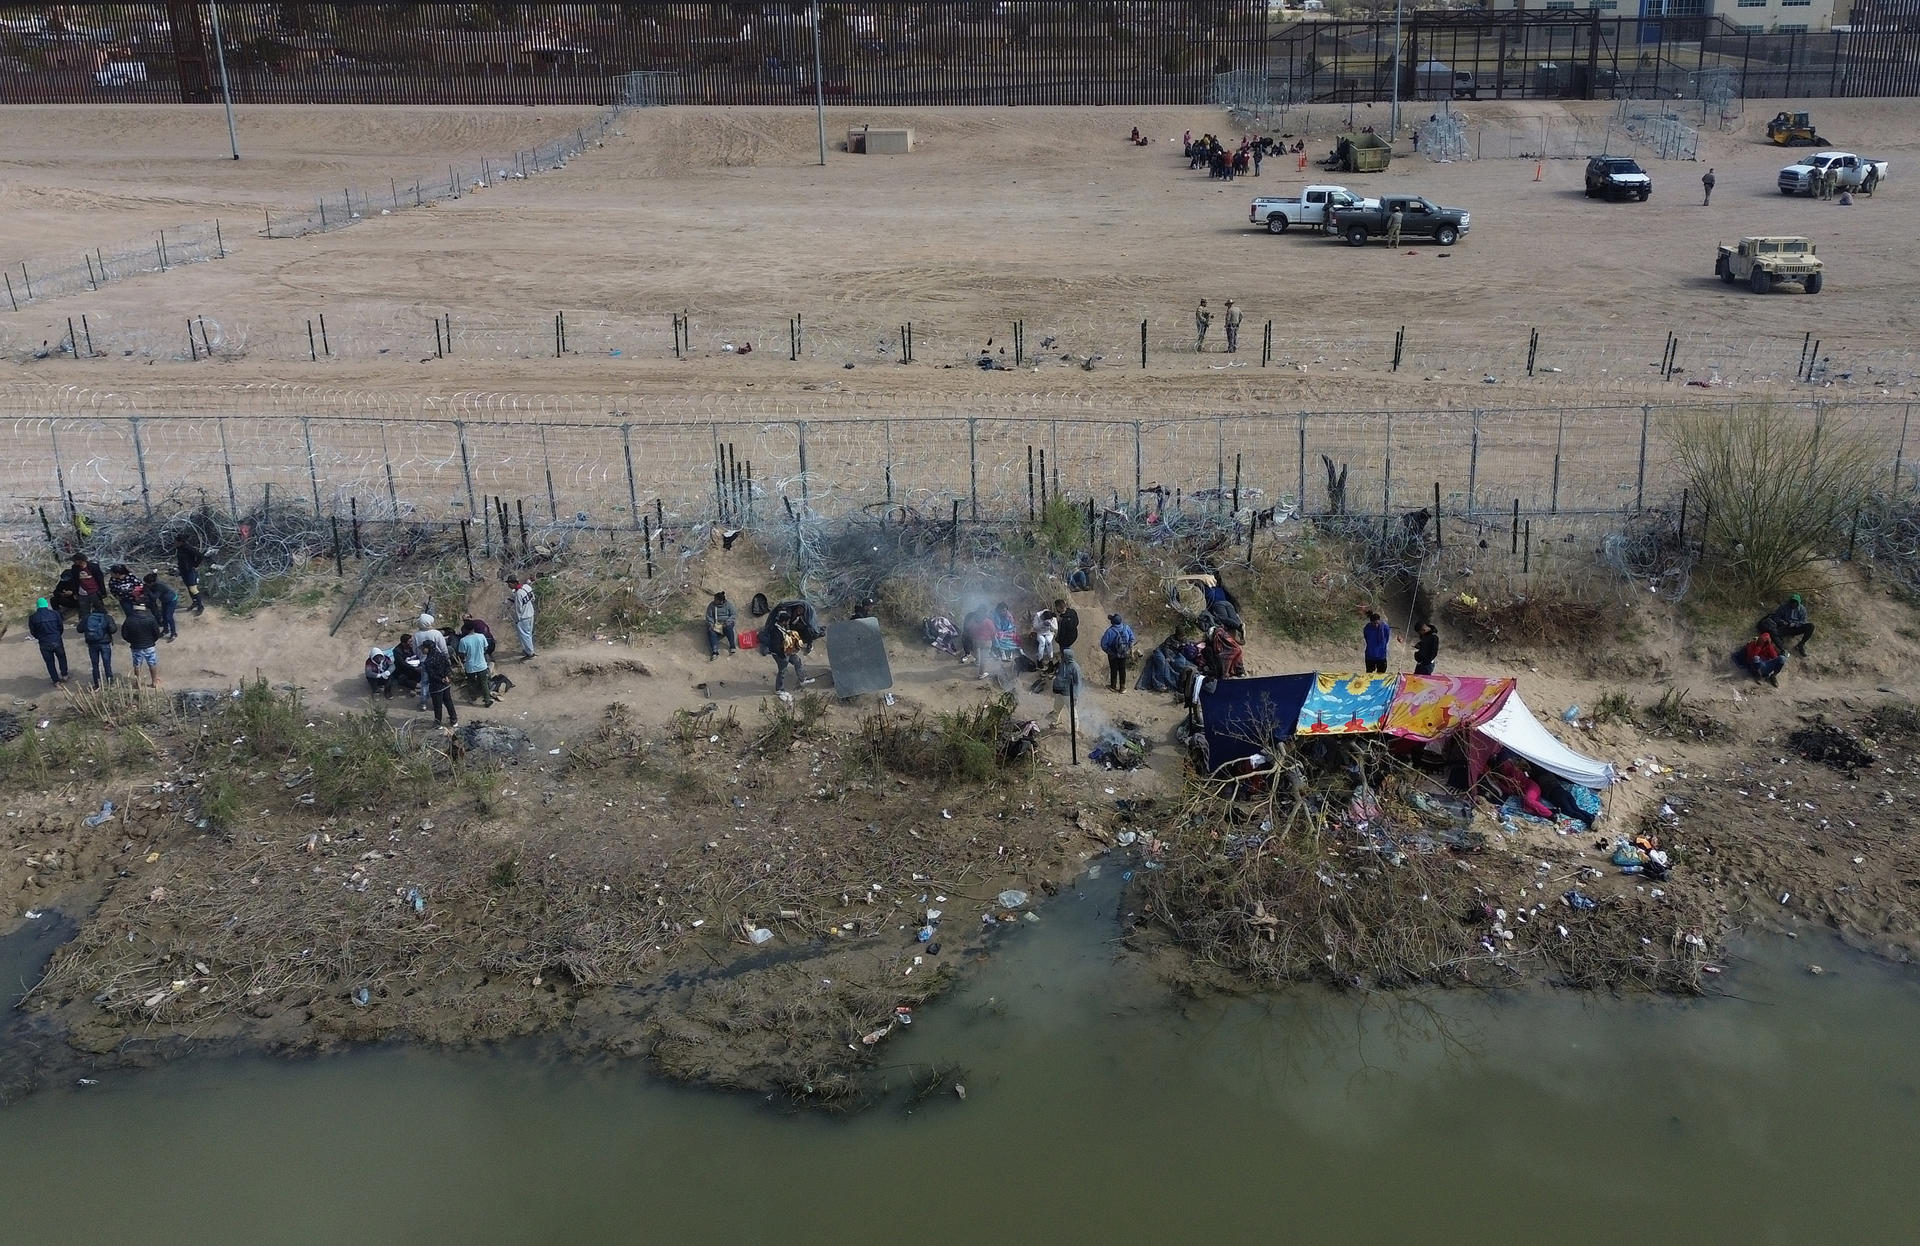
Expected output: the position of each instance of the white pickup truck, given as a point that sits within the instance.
(1310, 207)
(1855, 173)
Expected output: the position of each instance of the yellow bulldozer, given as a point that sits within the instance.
(1794, 130)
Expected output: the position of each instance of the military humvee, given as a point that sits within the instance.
(1760, 262)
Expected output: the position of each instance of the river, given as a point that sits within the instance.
(1098, 1109)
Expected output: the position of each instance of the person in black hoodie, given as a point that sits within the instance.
(1069, 631)
(1426, 648)
(141, 631)
(436, 671)
(48, 626)
(187, 557)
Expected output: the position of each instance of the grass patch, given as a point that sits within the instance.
(1615, 706)
(1675, 715)
(1306, 588)
(1061, 527)
(966, 745)
(788, 721)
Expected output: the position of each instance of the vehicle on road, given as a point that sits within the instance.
(1854, 173)
(1617, 175)
(1309, 207)
(1419, 218)
(121, 73)
(1763, 263)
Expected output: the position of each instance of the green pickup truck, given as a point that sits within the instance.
(1419, 218)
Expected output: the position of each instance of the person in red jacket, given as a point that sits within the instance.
(1762, 658)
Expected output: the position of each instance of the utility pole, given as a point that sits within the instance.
(226, 93)
(819, 87)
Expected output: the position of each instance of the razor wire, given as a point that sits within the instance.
(36, 279)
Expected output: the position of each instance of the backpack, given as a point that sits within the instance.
(99, 627)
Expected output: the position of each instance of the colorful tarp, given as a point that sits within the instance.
(1346, 704)
(1426, 707)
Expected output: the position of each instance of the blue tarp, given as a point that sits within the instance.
(1243, 716)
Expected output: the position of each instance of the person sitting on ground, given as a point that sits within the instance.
(721, 619)
(1515, 782)
(79, 584)
(1226, 659)
(1762, 658)
(1788, 621)
(379, 673)
(406, 663)
(1426, 648)
(1006, 633)
(1157, 673)
(1135, 136)
(940, 633)
(1046, 633)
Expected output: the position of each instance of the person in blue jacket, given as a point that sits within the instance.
(1378, 635)
(49, 626)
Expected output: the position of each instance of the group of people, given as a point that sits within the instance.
(1232, 318)
(1377, 638)
(1227, 164)
(1765, 656)
(149, 614)
(431, 659)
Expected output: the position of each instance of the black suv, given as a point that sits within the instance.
(1617, 175)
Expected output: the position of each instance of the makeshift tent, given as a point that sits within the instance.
(1244, 716)
(1346, 704)
(1426, 707)
(1515, 728)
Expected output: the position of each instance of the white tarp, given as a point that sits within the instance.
(1517, 729)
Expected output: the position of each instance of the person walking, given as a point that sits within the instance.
(436, 678)
(164, 602)
(1256, 160)
(98, 627)
(1202, 318)
(721, 620)
(473, 664)
(49, 627)
(520, 605)
(1234, 317)
(1426, 648)
(1377, 634)
(1394, 220)
(187, 557)
(141, 631)
(1706, 184)
(1117, 643)
(1067, 683)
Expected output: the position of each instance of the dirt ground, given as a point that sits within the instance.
(1034, 214)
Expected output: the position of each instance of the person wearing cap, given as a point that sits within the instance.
(49, 626)
(425, 640)
(1234, 317)
(1117, 643)
(1788, 622)
(721, 618)
(379, 672)
(520, 605)
(141, 631)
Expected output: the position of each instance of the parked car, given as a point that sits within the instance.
(1309, 207)
(1764, 262)
(1854, 173)
(1617, 175)
(1419, 218)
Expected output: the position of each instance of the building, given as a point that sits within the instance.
(1750, 17)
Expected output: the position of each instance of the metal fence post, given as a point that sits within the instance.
(805, 489)
(1640, 478)
(1900, 454)
(1559, 444)
(466, 464)
(1300, 498)
(60, 473)
(1219, 464)
(1473, 465)
(973, 466)
(140, 457)
(633, 492)
(1138, 482)
(313, 468)
(226, 461)
(1386, 480)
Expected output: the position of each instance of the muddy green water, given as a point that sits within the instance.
(1098, 1111)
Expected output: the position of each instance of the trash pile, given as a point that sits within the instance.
(1120, 747)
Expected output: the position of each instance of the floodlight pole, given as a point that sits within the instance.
(819, 87)
(226, 93)
(1399, 50)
